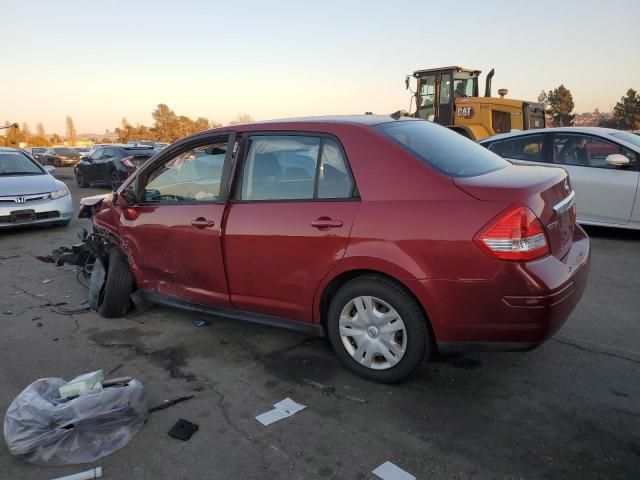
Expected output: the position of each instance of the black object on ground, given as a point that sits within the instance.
(183, 429)
(83, 307)
(170, 403)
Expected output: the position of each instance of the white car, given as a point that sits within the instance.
(29, 194)
(603, 166)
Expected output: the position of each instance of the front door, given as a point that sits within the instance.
(445, 106)
(174, 234)
(604, 193)
(289, 222)
(426, 99)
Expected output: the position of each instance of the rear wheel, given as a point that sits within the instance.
(114, 180)
(80, 181)
(377, 329)
(118, 286)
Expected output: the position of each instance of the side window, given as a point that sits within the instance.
(191, 176)
(528, 148)
(280, 168)
(496, 147)
(97, 155)
(445, 88)
(587, 151)
(107, 153)
(334, 180)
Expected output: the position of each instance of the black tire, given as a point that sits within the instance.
(80, 181)
(114, 180)
(118, 286)
(418, 341)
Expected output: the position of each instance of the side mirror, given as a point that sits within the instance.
(50, 169)
(129, 197)
(617, 160)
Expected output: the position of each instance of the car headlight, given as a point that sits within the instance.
(59, 193)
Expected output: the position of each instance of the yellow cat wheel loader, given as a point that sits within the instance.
(449, 96)
(10, 136)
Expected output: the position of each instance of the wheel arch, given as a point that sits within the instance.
(332, 287)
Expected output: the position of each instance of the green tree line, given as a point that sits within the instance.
(558, 105)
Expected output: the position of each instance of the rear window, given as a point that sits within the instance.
(140, 151)
(445, 150)
(63, 151)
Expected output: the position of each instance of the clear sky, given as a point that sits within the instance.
(99, 61)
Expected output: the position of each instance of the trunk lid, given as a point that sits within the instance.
(544, 190)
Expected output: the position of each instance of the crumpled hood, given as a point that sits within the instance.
(27, 184)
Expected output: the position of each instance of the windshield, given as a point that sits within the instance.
(16, 163)
(628, 137)
(64, 151)
(443, 149)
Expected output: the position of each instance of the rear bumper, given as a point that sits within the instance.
(520, 308)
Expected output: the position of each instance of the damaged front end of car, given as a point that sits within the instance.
(91, 254)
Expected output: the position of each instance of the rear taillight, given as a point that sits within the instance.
(128, 162)
(516, 234)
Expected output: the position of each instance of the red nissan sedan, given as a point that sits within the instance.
(394, 237)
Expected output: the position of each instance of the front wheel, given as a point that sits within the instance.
(80, 180)
(117, 288)
(377, 329)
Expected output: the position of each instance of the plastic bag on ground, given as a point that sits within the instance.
(43, 429)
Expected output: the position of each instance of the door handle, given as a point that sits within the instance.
(326, 222)
(201, 223)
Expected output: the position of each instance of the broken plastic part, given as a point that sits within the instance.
(43, 429)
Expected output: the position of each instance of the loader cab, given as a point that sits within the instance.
(437, 90)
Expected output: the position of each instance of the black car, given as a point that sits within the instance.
(111, 165)
(59, 157)
(37, 152)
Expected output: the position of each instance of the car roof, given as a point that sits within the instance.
(8, 150)
(515, 133)
(367, 120)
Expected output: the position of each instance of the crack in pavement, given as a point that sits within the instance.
(578, 345)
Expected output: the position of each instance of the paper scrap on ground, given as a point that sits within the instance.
(389, 471)
(283, 409)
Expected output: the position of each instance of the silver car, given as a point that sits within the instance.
(603, 166)
(29, 194)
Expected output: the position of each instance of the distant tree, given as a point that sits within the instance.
(40, 138)
(201, 124)
(165, 123)
(71, 132)
(214, 124)
(560, 106)
(241, 118)
(25, 133)
(626, 113)
(55, 139)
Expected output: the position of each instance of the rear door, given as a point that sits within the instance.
(90, 167)
(289, 222)
(174, 233)
(104, 164)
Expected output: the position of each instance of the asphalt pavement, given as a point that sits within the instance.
(569, 409)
